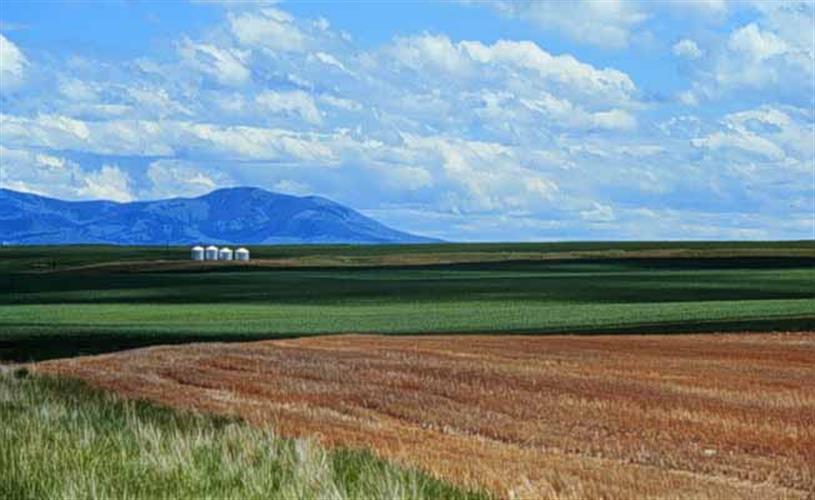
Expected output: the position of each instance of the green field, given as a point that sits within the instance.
(61, 439)
(52, 306)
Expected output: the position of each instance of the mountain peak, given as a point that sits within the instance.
(235, 215)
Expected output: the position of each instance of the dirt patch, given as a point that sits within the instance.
(717, 416)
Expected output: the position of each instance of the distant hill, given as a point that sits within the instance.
(234, 215)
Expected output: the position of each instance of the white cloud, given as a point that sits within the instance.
(322, 24)
(156, 101)
(288, 186)
(241, 142)
(57, 176)
(407, 177)
(506, 58)
(687, 49)
(340, 103)
(269, 28)
(44, 131)
(688, 98)
(614, 119)
(791, 20)
(77, 90)
(526, 141)
(605, 23)
(772, 54)
(598, 213)
(13, 64)
(330, 60)
(38, 173)
(164, 138)
(780, 137)
(432, 52)
(641, 150)
(294, 102)
(231, 103)
(226, 66)
(171, 178)
(742, 140)
(704, 7)
(481, 176)
(755, 44)
(561, 113)
(49, 161)
(108, 183)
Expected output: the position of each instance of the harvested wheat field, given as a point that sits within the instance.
(716, 416)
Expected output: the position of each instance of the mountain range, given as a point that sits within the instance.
(233, 215)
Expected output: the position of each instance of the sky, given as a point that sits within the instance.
(467, 121)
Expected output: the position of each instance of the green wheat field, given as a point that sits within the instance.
(62, 301)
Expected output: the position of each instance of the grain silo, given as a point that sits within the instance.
(242, 255)
(225, 254)
(211, 253)
(197, 253)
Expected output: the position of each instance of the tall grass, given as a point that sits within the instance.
(61, 439)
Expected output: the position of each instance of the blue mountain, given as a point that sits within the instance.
(234, 215)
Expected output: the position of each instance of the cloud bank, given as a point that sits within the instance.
(463, 139)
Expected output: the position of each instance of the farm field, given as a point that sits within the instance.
(711, 416)
(64, 301)
(61, 439)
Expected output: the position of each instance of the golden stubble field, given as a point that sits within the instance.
(716, 416)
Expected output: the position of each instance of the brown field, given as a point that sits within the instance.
(714, 416)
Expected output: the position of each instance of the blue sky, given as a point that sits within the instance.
(467, 121)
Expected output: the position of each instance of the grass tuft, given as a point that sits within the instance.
(62, 439)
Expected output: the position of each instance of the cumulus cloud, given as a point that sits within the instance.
(78, 90)
(107, 183)
(288, 186)
(614, 119)
(13, 67)
(34, 172)
(483, 176)
(471, 58)
(294, 102)
(224, 65)
(340, 102)
(784, 137)
(330, 60)
(462, 138)
(561, 113)
(269, 28)
(605, 23)
(156, 101)
(171, 178)
(56, 175)
(771, 55)
(598, 213)
(164, 138)
(687, 49)
(754, 58)
(756, 44)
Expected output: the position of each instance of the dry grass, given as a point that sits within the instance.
(717, 416)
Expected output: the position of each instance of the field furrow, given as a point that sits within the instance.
(536, 416)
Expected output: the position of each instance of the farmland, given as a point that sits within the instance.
(66, 301)
(255, 379)
(61, 439)
(725, 416)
